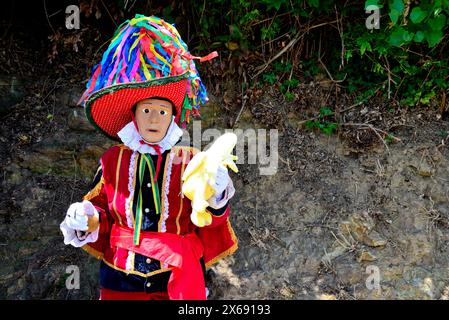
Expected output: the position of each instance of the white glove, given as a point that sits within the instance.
(221, 182)
(75, 224)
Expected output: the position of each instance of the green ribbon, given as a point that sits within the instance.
(185, 106)
(145, 161)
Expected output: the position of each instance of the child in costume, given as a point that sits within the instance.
(135, 218)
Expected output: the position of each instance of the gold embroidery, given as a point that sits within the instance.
(131, 200)
(183, 165)
(227, 252)
(97, 254)
(162, 194)
(95, 191)
(134, 260)
(193, 150)
(117, 178)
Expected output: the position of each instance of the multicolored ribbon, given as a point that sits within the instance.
(146, 48)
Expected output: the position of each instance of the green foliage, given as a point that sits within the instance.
(256, 20)
(289, 96)
(406, 60)
(273, 4)
(270, 32)
(61, 282)
(426, 21)
(311, 68)
(388, 138)
(293, 82)
(271, 78)
(400, 59)
(323, 123)
(281, 67)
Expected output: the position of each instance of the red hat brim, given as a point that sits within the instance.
(109, 109)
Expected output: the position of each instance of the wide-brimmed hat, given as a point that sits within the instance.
(146, 58)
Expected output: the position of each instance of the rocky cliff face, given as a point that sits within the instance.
(334, 221)
(44, 171)
(371, 227)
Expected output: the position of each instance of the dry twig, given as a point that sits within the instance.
(375, 130)
(261, 68)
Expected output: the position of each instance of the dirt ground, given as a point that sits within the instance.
(336, 210)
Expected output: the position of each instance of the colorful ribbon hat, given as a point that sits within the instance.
(146, 58)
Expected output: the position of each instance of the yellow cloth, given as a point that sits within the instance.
(199, 176)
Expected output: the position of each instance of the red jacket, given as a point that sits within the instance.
(111, 197)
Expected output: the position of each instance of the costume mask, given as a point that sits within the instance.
(153, 117)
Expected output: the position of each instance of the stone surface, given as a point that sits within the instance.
(366, 256)
(360, 226)
(77, 121)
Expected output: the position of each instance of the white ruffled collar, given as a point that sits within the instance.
(131, 138)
